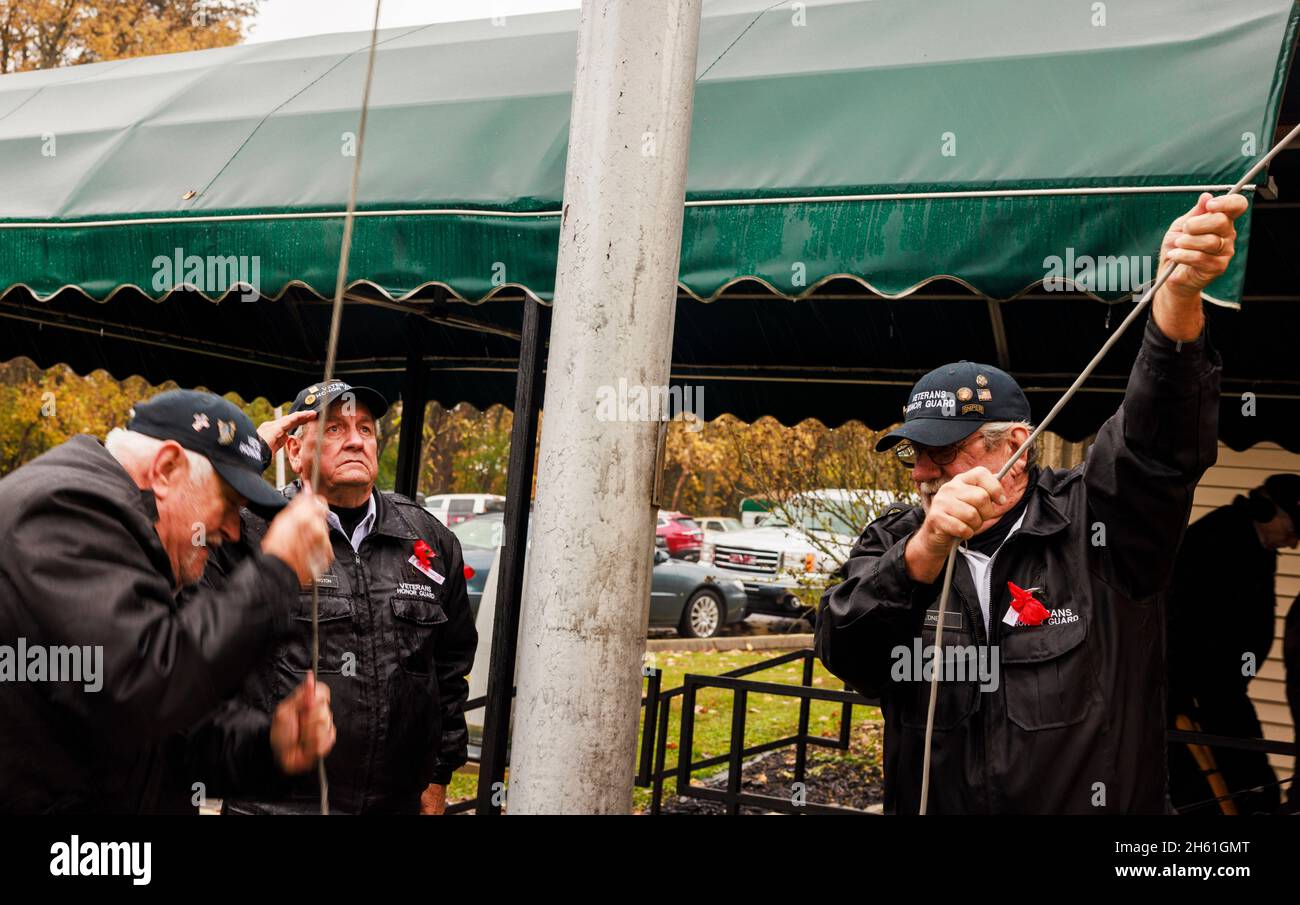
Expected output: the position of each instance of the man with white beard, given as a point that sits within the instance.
(97, 543)
(1058, 573)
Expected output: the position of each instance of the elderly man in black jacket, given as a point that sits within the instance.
(99, 663)
(396, 635)
(1052, 691)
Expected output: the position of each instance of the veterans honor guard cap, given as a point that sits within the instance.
(951, 402)
(217, 430)
(310, 398)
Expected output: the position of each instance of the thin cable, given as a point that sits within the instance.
(331, 353)
(952, 553)
(1232, 796)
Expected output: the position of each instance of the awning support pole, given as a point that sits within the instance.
(584, 622)
(519, 493)
(410, 436)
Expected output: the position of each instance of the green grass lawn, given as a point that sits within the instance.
(769, 716)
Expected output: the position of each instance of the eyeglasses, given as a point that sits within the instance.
(908, 453)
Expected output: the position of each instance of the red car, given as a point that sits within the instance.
(679, 536)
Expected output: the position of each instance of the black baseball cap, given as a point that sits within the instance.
(950, 403)
(217, 430)
(311, 397)
(1284, 490)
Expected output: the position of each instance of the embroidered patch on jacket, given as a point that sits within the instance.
(413, 589)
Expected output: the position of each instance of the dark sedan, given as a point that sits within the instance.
(695, 600)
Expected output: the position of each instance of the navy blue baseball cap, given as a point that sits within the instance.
(217, 430)
(312, 397)
(952, 402)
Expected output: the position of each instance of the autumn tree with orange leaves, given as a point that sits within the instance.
(44, 34)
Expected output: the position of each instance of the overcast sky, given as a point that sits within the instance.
(279, 19)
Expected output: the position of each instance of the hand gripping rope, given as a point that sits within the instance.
(1101, 353)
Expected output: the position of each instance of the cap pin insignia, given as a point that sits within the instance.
(201, 422)
(981, 380)
(225, 432)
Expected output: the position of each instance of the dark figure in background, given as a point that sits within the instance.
(1291, 659)
(1221, 626)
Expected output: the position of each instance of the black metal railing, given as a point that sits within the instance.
(470, 805)
(658, 713)
(657, 706)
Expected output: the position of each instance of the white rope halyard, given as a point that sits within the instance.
(331, 353)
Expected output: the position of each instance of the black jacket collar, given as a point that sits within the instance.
(1046, 514)
(389, 520)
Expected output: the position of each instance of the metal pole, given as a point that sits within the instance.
(519, 493)
(616, 283)
(410, 436)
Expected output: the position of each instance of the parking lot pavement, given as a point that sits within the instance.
(755, 624)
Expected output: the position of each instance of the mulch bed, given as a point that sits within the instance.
(848, 779)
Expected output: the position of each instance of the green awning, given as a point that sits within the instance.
(893, 141)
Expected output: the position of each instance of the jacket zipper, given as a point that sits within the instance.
(364, 791)
(991, 639)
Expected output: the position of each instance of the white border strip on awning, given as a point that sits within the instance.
(724, 202)
(409, 296)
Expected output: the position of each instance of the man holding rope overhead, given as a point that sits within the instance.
(1051, 679)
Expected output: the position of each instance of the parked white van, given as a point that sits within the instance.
(454, 508)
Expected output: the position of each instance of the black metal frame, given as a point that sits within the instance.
(529, 389)
(658, 710)
(410, 435)
(657, 704)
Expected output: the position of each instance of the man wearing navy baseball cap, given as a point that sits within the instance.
(96, 540)
(1051, 681)
(206, 424)
(950, 403)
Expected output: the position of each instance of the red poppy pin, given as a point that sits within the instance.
(422, 558)
(424, 553)
(1025, 610)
